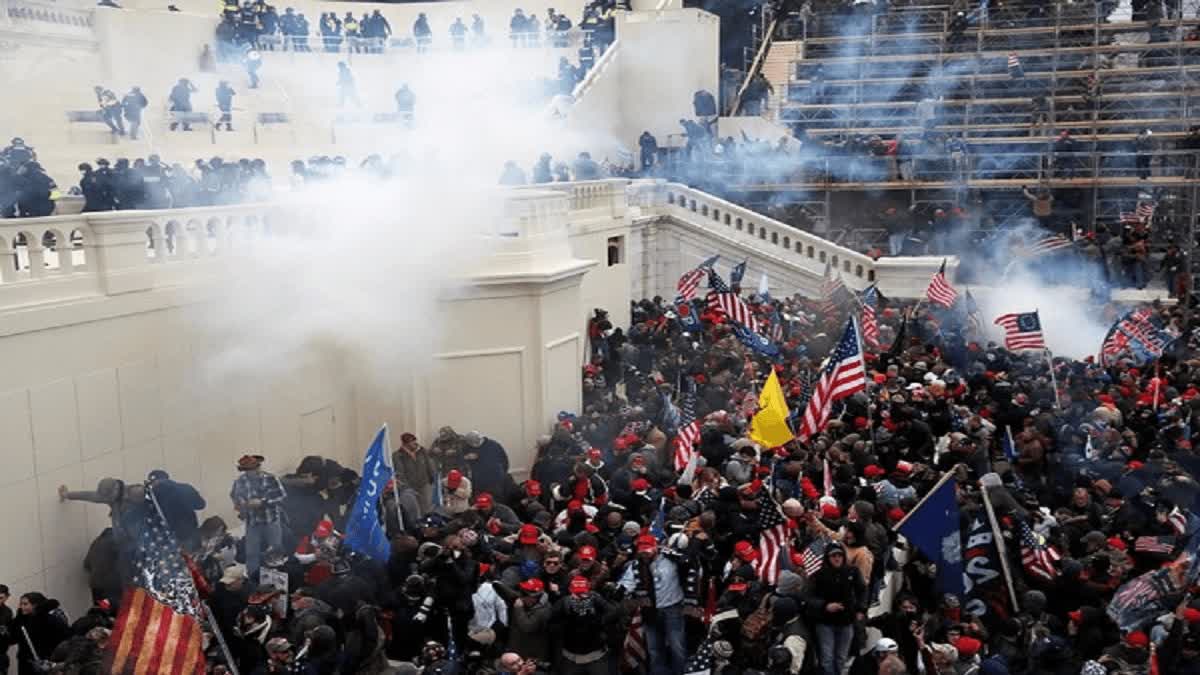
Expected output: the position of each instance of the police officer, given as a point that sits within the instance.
(154, 180)
(106, 197)
(34, 189)
(181, 101)
(252, 61)
(89, 187)
(17, 153)
(406, 102)
(225, 94)
(133, 104)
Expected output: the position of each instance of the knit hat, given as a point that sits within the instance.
(1093, 668)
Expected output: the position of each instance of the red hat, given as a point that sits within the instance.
(454, 479)
(528, 534)
(830, 511)
(587, 552)
(647, 542)
(746, 551)
(874, 471)
(797, 560)
(580, 586)
(1191, 615)
(640, 485)
(1134, 465)
(1076, 616)
(967, 646)
(752, 487)
(483, 568)
(483, 501)
(1137, 639)
(533, 585)
(1117, 543)
(880, 378)
(533, 488)
(896, 514)
(595, 454)
(903, 468)
(574, 506)
(324, 529)
(763, 471)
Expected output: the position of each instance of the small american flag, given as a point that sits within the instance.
(1145, 210)
(689, 427)
(843, 376)
(813, 557)
(1178, 521)
(702, 661)
(690, 281)
(722, 299)
(870, 321)
(1043, 245)
(163, 603)
(1021, 331)
(774, 544)
(833, 290)
(634, 658)
(1037, 556)
(940, 292)
(1014, 65)
(1163, 545)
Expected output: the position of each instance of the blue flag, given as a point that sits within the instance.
(759, 343)
(934, 529)
(364, 527)
(736, 274)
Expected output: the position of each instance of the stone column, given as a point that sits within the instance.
(116, 252)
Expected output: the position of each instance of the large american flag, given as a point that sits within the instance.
(1137, 331)
(870, 319)
(940, 292)
(1043, 244)
(1022, 331)
(843, 375)
(813, 557)
(702, 661)
(689, 427)
(158, 629)
(1037, 556)
(722, 298)
(634, 658)
(774, 544)
(1163, 545)
(691, 280)
(833, 290)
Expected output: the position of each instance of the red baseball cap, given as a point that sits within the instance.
(533, 488)
(1191, 615)
(647, 542)
(574, 506)
(830, 511)
(580, 586)
(533, 585)
(745, 550)
(454, 479)
(640, 485)
(967, 646)
(1076, 616)
(483, 501)
(1117, 543)
(528, 534)
(324, 529)
(587, 553)
(595, 454)
(752, 487)
(1137, 639)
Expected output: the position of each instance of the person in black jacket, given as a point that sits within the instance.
(181, 101)
(6, 635)
(132, 105)
(454, 575)
(179, 503)
(45, 624)
(580, 619)
(838, 599)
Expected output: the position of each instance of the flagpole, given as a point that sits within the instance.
(208, 615)
(987, 505)
(863, 355)
(945, 477)
(387, 454)
(1156, 381)
(1053, 378)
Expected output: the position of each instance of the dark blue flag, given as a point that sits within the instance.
(934, 529)
(364, 527)
(759, 343)
(736, 274)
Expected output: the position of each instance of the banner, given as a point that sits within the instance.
(933, 527)
(983, 579)
(365, 533)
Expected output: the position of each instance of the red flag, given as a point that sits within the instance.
(150, 637)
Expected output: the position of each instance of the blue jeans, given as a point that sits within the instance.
(259, 538)
(896, 242)
(664, 641)
(834, 642)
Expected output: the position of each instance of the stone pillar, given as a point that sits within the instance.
(117, 250)
(512, 340)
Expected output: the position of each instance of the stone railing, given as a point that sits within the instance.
(42, 17)
(108, 253)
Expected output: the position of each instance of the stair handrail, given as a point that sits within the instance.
(755, 66)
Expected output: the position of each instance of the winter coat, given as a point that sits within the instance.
(179, 503)
(529, 634)
(489, 469)
(843, 585)
(47, 628)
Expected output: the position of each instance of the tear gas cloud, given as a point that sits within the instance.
(368, 279)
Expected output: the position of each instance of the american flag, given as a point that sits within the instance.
(813, 557)
(870, 322)
(774, 544)
(1014, 65)
(1043, 245)
(690, 281)
(634, 658)
(974, 320)
(1136, 331)
(833, 290)
(1162, 545)
(689, 427)
(1145, 210)
(722, 299)
(940, 292)
(843, 375)
(158, 629)
(1178, 521)
(1147, 596)
(702, 661)
(1038, 557)
(1021, 331)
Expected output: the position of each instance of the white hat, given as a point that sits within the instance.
(886, 646)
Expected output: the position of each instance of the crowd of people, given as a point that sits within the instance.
(151, 183)
(26, 190)
(611, 555)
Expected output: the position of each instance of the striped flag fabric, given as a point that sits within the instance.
(702, 661)
(1154, 593)
(1022, 331)
(1042, 245)
(158, 628)
(813, 557)
(721, 298)
(774, 544)
(1178, 521)
(940, 292)
(1014, 65)
(1037, 556)
(870, 319)
(843, 376)
(974, 320)
(634, 657)
(1160, 545)
(689, 427)
(1145, 210)
(691, 280)
(833, 290)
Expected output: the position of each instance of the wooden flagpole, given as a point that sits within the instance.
(945, 477)
(1000, 548)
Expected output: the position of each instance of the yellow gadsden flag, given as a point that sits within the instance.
(769, 428)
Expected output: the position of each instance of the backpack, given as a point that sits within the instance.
(756, 625)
